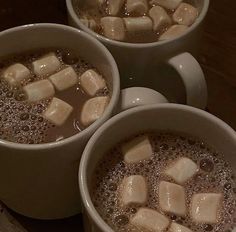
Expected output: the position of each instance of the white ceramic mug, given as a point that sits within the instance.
(145, 64)
(162, 117)
(40, 181)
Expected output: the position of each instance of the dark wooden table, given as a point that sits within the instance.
(218, 59)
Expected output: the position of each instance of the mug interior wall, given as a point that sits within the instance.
(173, 119)
(19, 41)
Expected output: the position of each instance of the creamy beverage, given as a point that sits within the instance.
(137, 21)
(162, 181)
(48, 95)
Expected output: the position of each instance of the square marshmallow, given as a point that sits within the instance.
(137, 149)
(58, 111)
(16, 73)
(185, 14)
(205, 207)
(113, 28)
(174, 227)
(173, 32)
(133, 190)
(149, 220)
(172, 198)
(93, 109)
(90, 23)
(39, 90)
(137, 7)
(138, 24)
(160, 18)
(181, 170)
(46, 65)
(92, 82)
(168, 4)
(64, 79)
(114, 6)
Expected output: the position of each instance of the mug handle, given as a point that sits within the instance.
(193, 79)
(137, 96)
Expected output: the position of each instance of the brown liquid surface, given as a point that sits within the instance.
(215, 176)
(21, 121)
(83, 10)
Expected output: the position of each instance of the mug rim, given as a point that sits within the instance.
(82, 177)
(107, 41)
(115, 87)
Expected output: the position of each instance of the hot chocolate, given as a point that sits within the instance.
(161, 181)
(137, 21)
(48, 95)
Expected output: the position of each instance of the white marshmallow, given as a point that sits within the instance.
(39, 90)
(64, 79)
(90, 23)
(58, 112)
(114, 6)
(138, 24)
(172, 198)
(95, 3)
(93, 109)
(205, 207)
(160, 18)
(181, 170)
(173, 31)
(113, 28)
(137, 150)
(174, 227)
(133, 190)
(137, 7)
(46, 65)
(168, 4)
(149, 220)
(185, 14)
(92, 82)
(16, 73)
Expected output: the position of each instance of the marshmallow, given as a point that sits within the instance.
(46, 65)
(149, 220)
(174, 227)
(113, 28)
(114, 6)
(185, 14)
(205, 207)
(16, 73)
(172, 198)
(137, 150)
(160, 18)
(95, 3)
(134, 190)
(173, 31)
(93, 109)
(137, 7)
(39, 90)
(168, 4)
(58, 112)
(64, 79)
(92, 82)
(90, 23)
(138, 24)
(181, 170)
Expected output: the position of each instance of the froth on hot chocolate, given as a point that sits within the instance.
(161, 181)
(48, 95)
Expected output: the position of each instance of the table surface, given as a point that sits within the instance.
(217, 57)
